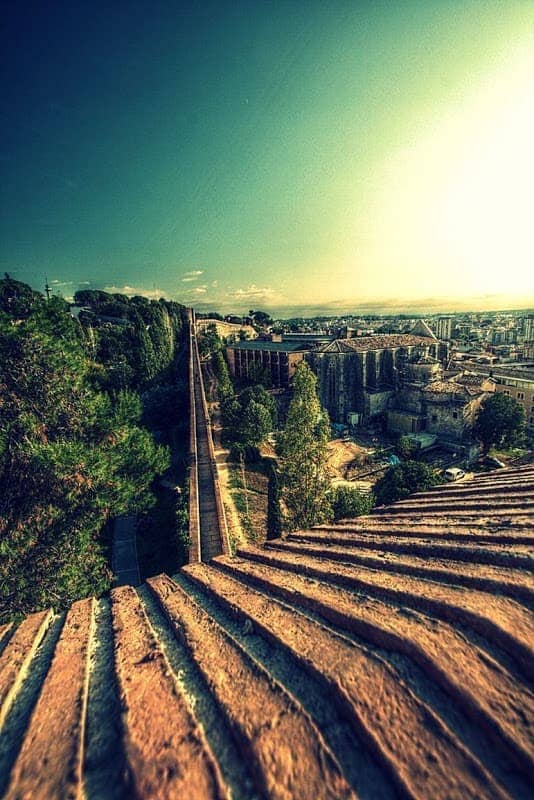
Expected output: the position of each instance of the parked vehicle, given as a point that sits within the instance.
(453, 474)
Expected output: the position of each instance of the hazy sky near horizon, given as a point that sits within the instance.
(271, 154)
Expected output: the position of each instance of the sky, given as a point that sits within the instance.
(272, 155)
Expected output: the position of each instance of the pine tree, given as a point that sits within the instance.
(304, 452)
(274, 513)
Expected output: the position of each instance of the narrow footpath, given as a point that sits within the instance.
(124, 561)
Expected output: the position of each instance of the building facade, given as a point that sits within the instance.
(444, 328)
(357, 377)
(272, 363)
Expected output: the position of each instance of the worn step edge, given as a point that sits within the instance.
(386, 636)
(449, 573)
(409, 781)
(362, 580)
(55, 737)
(166, 750)
(251, 731)
(17, 655)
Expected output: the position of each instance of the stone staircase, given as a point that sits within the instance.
(383, 657)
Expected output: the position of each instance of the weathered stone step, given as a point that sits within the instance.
(487, 577)
(521, 556)
(515, 506)
(499, 619)
(482, 480)
(288, 756)
(403, 732)
(469, 489)
(495, 521)
(49, 763)
(16, 658)
(484, 689)
(166, 750)
(499, 497)
(461, 532)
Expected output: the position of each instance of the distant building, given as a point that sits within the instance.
(357, 377)
(514, 381)
(443, 407)
(529, 328)
(273, 362)
(227, 330)
(444, 328)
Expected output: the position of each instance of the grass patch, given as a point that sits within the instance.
(250, 499)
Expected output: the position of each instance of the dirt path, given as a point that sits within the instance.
(235, 531)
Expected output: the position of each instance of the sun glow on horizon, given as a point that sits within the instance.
(457, 201)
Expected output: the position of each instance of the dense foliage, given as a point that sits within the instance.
(303, 450)
(274, 512)
(132, 340)
(248, 417)
(402, 480)
(500, 422)
(73, 451)
(347, 502)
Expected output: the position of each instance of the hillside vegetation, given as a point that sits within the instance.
(74, 449)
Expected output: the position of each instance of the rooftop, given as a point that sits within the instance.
(276, 347)
(382, 341)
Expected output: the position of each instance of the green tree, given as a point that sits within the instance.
(402, 480)
(71, 457)
(405, 447)
(302, 446)
(222, 373)
(500, 422)
(274, 513)
(347, 502)
(256, 423)
(209, 340)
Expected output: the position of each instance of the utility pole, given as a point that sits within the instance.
(47, 288)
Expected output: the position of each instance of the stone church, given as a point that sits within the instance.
(357, 377)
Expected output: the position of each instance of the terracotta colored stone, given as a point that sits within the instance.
(167, 753)
(480, 685)
(49, 764)
(287, 754)
(423, 757)
(15, 660)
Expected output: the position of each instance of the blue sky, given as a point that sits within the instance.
(271, 155)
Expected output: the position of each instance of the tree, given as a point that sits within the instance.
(302, 446)
(71, 457)
(274, 513)
(405, 447)
(347, 502)
(255, 424)
(222, 373)
(402, 480)
(209, 340)
(500, 422)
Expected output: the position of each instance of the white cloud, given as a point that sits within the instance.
(192, 275)
(253, 292)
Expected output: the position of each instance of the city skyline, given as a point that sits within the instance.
(243, 156)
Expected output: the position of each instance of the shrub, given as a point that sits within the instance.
(347, 502)
(402, 480)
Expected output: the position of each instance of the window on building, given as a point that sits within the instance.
(520, 395)
(506, 391)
